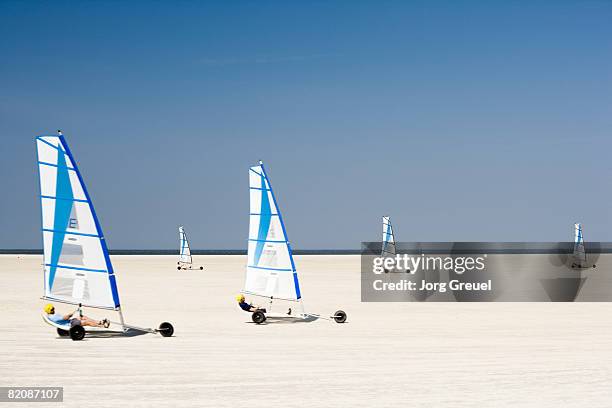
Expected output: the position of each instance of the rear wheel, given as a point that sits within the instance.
(201, 268)
(179, 268)
(166, 329)
(258, 317)
(340, 316)
(63, 333)
(77, 332)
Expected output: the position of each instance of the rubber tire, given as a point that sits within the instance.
(166, 329)
(340, 316)
(201, 268)
(179, 268)
(258, 317)
(77, 332)
(63, 333)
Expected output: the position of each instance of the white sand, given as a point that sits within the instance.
(388, 354)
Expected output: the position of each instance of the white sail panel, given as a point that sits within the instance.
(77, 267)
(185, 251)
(270, 267)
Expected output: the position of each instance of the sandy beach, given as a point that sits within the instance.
(387, 354)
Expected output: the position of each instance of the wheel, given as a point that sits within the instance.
(63, 333)
(594, 266)
(77, 332)
(166, 329)
(179, 268)
(201, 268)
(258, 317)
(340, 316)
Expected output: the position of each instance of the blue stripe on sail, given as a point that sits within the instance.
(297, 285)
(267, 240)
(264, 221)
(72, 233)
(259, 174)
(109, 265)
(271, 215)
(113, 285)
(55, 165)
(259, 188)
(270, 269)
(50, 144)
(76, 268)
(63, 209)
(78, 200)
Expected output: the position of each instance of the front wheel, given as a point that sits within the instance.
(77, 332)
(201, 268)
(340, 316)
(166, 329)
(258, 317)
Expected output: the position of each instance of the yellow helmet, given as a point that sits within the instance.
(240, 297)
(49, 308)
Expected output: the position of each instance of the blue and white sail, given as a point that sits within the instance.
(579, 251)
(388, 239)
(270, 268)
(185, 251)
(77, 266)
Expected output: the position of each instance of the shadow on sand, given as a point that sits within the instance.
(288, 320)
(108, 334)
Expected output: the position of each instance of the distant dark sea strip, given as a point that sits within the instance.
(194, 252)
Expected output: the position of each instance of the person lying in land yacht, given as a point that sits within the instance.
(73, 321)
(247, 307)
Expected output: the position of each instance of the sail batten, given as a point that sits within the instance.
(270, 267)
(77, 267)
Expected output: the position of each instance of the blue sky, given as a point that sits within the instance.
(465, 121)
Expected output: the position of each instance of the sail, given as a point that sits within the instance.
(388, 240)
(270, 267)
(77, 267)
(579, 252)
(185, 251)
